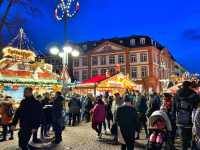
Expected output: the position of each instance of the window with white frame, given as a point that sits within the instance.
(76, 62)
(132, 42)
(85, 46)
(142, 41)
(121, 59)
(144, 71)
(103, 60)
(94, 72)
(143, 57)
(85, 61)
(76, 75)
(134, 72)
(85, 75)
(103, 71)
(94, 60)
(112, 59)
(133, 58)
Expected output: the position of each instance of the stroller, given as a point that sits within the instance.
(159, 132)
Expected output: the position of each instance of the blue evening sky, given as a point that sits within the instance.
(174, 23)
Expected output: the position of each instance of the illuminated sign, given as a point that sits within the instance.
(25, 55)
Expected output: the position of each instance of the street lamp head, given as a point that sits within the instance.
(61, 54)
(75, 53)
(67, 49)
(54, 50)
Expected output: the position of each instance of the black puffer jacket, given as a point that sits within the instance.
(29, 114)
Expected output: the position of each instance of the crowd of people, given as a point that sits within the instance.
(122, 116)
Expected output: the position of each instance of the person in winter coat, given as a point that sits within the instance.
(7, 112)
(47, 117)
(29, 115)
(196, 128)
(141, 108)
(99, 114)
(154, 104)
(128, 123)
(57, 117)
(185, 101)
(88, 107)
(74, 110)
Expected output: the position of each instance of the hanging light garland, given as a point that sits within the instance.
(64, 9)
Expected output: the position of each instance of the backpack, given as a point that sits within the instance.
(184, 110)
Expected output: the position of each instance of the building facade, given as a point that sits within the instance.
(143, 59)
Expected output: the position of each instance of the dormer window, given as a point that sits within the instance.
(132, 42)
(152, 42)
(121, 41)
(142, 41)
(85, 46)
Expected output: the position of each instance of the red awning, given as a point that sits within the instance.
(95, 79)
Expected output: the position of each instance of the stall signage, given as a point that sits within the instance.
(19, 54)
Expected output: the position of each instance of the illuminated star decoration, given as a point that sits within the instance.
(66, 9)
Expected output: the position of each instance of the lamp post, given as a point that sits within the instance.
(64, 54)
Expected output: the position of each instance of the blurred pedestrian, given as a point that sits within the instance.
(141, 108)
(99, 114)
(154, 103)
(58, 117)
(74, 110)
(127, 126)
(29, 115)
(185, 101)
(7, 112)
(47, 117)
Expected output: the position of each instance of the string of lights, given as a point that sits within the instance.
(66, 9)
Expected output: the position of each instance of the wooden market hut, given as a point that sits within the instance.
(100, 83)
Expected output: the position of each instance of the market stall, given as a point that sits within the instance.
(99, 84)
(19, 69)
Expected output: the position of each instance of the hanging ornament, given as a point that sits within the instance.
(66, 9)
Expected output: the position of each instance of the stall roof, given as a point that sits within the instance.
(95, 79)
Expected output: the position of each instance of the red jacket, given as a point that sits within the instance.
(99, 113)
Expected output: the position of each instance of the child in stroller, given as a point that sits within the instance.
(160, 132)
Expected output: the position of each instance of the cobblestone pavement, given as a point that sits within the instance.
(77, 138)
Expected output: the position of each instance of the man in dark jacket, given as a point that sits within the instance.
(29, 115)
(57, 116)
(184, 103)
(74, 110)
(47, 117)
(127, 120)
(141, 108)
(154, 104)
